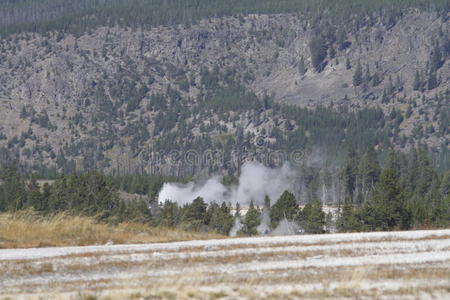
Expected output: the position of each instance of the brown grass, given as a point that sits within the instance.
(27, 229)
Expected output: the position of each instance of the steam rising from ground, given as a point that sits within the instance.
(264, 225)
(255, 182)
(286, 227)
(236, 227)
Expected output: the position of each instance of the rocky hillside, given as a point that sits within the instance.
(123, 98)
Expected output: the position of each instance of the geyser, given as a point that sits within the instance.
(255, 181)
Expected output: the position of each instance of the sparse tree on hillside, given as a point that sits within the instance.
(348, 66)
(302, 67)
(417, 82)
(358, 75)
(318, 49)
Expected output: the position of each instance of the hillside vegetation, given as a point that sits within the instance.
(108, 95)
(135, 86)
(81, 15)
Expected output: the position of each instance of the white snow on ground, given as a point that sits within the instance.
(367, 247)
(35, 253)
(219, 265)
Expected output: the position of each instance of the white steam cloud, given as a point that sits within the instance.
(255, 182)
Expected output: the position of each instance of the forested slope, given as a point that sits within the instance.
(133, 86)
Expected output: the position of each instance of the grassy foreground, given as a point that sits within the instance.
(27, 229)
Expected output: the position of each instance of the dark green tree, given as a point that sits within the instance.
(170, 215)
(348, 220)
(302, 67)
(318, 48)
(387, 209)
(358, 75)
(13, 195)
(348, 66)
(267, 202)
(314, 217)
(286, 207)
(432, 80)
(219, 218)
(349, 173)
(417, 81)
(368, 171)
(196, 211)
(251, 221)
(376, 79)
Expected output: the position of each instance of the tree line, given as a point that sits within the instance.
(406, 192)
(81, 15)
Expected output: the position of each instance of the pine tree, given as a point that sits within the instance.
(348, 66)
(314, 217)
(390, 88)
(435, 58)
(237, 213)
(302, 67)
(267, 202)
(318, 50)
(384, 98)
(358, 75)
(196, 211)
(445, 184)
(387, 210)
(170, 215)
(432, 80)
(251, 221)
(13, 195)
(219, 218)
(348, 220)
(23, 112)
(349, 173)
(417, 82)
(285, 208)
(398, 83)
(367, 76)
(376, 79)
(332, 52)
(368, 171)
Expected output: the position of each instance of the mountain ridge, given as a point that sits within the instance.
(113, 90)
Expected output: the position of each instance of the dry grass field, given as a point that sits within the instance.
(27, 229)
(381, 265)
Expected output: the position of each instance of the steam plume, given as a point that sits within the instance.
(255, 182)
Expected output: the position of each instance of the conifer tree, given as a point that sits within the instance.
(348, 66)
(251, 221)
(417, 82)
(266, 202)
(314, 217)
(376, 79)
(302, 66)
(285, 208)
(387, 210)
(347, 220)
(432, 80)
(318, 50)
(368, 171)
(367, 76)
(358, 75)
(13, 195)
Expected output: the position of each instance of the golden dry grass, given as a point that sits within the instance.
(27, 229)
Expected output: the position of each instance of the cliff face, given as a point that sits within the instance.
(60, 91)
